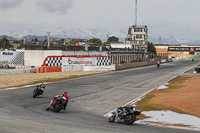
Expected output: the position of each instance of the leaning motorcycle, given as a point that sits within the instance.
(38, 90)
(128, 117)
(158, 65)
(58, 104)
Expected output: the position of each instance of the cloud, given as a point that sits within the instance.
(5, 4)
(56, 6)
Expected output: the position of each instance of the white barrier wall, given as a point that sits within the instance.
(12, 58)
(99, 68)
(16, 71)
(36, 57)
(88, 68)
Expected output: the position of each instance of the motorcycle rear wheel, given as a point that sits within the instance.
(57, 107)
(35, 93)
(131, 120)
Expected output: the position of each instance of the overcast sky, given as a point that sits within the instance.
(177, 18)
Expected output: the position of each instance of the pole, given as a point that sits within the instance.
(64, 38)
(48, 38)
(135, 12)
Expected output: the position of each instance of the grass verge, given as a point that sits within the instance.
(145, 105)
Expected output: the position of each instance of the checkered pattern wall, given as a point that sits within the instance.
(101, 61)
(55, 61)
(16, 58)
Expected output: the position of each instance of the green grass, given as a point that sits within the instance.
(192, 56)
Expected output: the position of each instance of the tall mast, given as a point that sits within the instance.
(135, 12)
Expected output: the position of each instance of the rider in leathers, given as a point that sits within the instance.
(55, 98)
(121, 110)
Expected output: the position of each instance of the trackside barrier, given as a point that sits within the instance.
(46, 69)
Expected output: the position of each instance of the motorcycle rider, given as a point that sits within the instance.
(52, 104)
(41, 87)
(158, 64)
(123, 109)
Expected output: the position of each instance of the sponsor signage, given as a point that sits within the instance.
(191, 49)
(7, 53)
(178, 49)
(186, 49)
(78, 61)
(197, 49)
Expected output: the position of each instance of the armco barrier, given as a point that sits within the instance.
(134, 64)
(88, 68)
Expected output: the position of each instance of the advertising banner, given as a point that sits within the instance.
(79, 61)
(76, 60)
(186, 49)
(178, 49)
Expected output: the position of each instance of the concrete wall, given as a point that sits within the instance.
(99, 68)
(37, 57)
(16, 71)
(135, 64)
(88, 68)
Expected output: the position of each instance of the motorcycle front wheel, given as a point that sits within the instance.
(57, 107)
(131, 120)
(112, 118)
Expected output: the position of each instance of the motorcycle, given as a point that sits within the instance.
(128, 117)
(57, 104)
(38, 90)
(158, 65)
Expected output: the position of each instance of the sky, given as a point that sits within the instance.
(177, 18)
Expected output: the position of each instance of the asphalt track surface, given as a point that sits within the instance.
(90, 98)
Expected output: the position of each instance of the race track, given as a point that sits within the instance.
(90, 98)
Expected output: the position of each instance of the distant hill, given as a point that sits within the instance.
(57, 33)
(10, 38)
(41, 38)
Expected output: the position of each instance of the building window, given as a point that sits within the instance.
(138, 30)
(138, 36)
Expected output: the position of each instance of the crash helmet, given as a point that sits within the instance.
(134, 106)
(42, 85)
(65, 93)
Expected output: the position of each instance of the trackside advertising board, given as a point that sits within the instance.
(186, 49)
(79, 61)
(76, 60)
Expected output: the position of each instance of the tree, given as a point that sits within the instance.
(5, 44)
(36, 39)
(22, 45)
(106, 43)
(95, 42)
(73, 42)
(151, 48)
(113, 39)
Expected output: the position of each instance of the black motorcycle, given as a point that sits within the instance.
(57, 104)
(38, 90)
(128, 117)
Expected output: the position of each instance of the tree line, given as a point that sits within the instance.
(5, 44)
